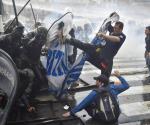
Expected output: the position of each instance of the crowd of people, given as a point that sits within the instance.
(25, 50)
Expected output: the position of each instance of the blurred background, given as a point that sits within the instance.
(88, 17)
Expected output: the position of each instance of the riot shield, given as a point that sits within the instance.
(8, 85)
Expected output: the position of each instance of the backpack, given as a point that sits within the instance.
(107, 107)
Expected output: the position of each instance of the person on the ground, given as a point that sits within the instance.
(89, 103)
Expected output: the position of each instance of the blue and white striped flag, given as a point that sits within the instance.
(75, 71)
(56, 63)
(60, 73)
(57, 66)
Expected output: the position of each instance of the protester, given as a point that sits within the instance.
(104, 88)
(99, 55)
(113, 43)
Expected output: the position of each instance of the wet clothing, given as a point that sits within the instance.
(32, 46)
(26, 55)
(26, 77)
(93, 52)
(33, 43)
(25, 88)
(91, 98)
(10, 26)
(110, 50)
(11, 42)
(7, 45)
(33, 50)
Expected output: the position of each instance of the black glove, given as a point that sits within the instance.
(61, 25)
